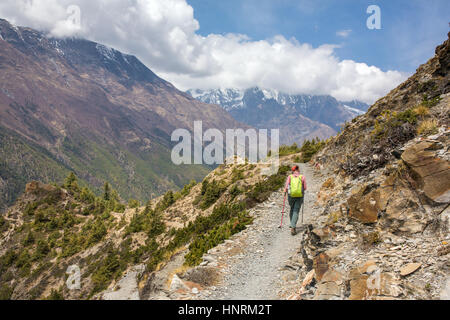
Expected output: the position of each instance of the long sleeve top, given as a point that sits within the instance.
(288, 181)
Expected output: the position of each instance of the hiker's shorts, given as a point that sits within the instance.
(295, 204)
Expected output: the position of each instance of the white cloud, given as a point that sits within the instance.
(343, 33)
(162, 33)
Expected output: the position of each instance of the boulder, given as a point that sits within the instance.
(431, 172)
(403, 212)
(177, 284)
(327, 290)
(332, 276)
(366, 202)
(368, 282)
(320, 265)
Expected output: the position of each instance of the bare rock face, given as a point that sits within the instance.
(367, 282)
(320, 265)
(432, 172)
(36, 186)
(364, 205)
(40, 190)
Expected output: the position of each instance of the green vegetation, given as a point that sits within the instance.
(106, 270)
(429, 103)
(262, 190)
(210, 192)
(217, 235)
(371, 238)
(3, 224)
(55, 295)
(186, 189)
(5, 292)
(133, 203)
(148, 221)
(387, 123)
(166, 201)
(237, 174)
(51, 222)
(428, 127)
(202, 225)
(310, 148)
(285, 150)
(61, 224)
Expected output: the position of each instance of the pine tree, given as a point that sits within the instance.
(106, 192)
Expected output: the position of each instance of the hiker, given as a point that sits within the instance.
(295, 186)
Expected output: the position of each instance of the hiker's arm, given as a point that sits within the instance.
(304, 183)
(286, 185)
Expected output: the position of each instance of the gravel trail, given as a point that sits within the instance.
(255, 273)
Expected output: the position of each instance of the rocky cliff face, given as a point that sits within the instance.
(298, 117)
(76, 105)
(382, 230)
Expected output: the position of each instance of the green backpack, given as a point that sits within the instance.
(296, 186)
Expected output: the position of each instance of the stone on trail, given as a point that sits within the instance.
(409, 268)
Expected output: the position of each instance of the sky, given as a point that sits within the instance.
(294, 46)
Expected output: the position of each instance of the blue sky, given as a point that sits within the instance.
(411, 29)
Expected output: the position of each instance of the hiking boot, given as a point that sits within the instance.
(293, 232)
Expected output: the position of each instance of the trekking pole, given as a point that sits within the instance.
(282, 211)
(303, 206)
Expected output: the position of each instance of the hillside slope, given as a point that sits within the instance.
(53, 227)
(377, 213)
(382, 228)
(92, 110)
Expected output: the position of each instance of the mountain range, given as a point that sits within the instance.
(76, 105)
(298, 117)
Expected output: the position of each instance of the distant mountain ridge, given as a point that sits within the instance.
(76, 105)
(320, 116)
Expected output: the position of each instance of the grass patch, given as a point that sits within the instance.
(428, 127)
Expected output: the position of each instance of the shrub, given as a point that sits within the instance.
(71, 183)
(235, 191)
(285, 150)
(23, 262)
(406, 116)
(262, 190)
(429, 103)
(371, 238)
(5, 292)
(7, 260)
(106, 270)
(203, 242)
(421, 111)
(187, 188)
(29, 239)
(212, 192)
(42, 249)
(55, 295)
(133, 203)
(310, 148)
(428, 127)
(97, 232)
(166, 201)
(106, 192)
(237, 174)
